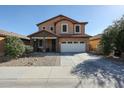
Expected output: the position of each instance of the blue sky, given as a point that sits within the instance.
(23, 19)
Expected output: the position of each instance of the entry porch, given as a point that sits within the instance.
(47, 44)
(44, 41)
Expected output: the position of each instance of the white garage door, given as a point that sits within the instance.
(73, 47)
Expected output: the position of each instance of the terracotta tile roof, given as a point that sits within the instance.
(96, 37)
(62, 19)
(6, 33)
(72, 36)
(42, 31)
(61, 35)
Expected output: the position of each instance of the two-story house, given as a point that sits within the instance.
(60, 34)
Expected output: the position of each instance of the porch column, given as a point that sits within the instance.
(44, 44)
(57, 45)
(33, 44)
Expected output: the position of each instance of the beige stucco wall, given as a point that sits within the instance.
(70, 27)
(57, 27)
(48, 24)
(73, 39)
(94, 44)
(2, 41)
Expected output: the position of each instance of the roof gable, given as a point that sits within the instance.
(62, 18)
(43, 33)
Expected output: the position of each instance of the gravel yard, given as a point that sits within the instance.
(35, 59)
(99, 72)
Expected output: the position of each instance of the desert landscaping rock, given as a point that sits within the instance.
(99, 72)
(35, 59)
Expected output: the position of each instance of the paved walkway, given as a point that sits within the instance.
(37, 77)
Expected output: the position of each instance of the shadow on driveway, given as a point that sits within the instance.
(103, 72)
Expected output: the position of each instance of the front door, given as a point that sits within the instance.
(53, 45)
(35, 45)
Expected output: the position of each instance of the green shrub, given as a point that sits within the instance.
(14, 47)
(119, 43)
(113, 37)
(28, 49)
(105, 44)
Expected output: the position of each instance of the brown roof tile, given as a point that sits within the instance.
(61, 35)
(62, 16)
(96, 37)
(40, 32)
(76, 36)
(6, 33)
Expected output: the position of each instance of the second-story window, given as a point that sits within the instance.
(64, 28)
(51, 28)
(77, 29)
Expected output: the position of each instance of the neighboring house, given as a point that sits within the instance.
(94, 42)
(3, 35)
(60, 34)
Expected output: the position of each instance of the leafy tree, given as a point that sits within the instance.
(119, 43)
(113, 37)
(14, 47)
(105, 43)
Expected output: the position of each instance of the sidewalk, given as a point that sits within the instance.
(37, 77)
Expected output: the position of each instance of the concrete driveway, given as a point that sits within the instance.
(73, 72)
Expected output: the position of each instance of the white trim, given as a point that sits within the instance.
(75, 28)
(62, 27)
(44, 37)
(36, 37)
(50, 37)
(50, 28)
